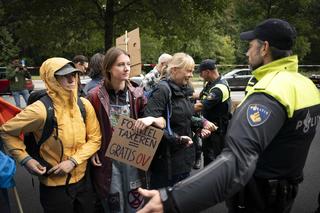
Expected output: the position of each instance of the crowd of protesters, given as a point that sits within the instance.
(78, 177)
(65, 182)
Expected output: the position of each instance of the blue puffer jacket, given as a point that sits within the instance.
(7, 170)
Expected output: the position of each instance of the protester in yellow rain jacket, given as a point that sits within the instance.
(68, 153)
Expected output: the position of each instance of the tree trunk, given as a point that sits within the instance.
(269, 7)
(108, 24)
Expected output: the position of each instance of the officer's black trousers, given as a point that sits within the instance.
(263, 196)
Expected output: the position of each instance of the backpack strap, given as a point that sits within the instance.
(169, 113)
(82, 109)
(50, 122)
(169, 105)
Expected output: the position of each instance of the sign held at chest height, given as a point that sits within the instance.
(130, 147)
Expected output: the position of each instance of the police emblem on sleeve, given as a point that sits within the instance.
(257, 114)
(211, 96)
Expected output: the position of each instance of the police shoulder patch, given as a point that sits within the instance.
(257, 114)
(211, 96)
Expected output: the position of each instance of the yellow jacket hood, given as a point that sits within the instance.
(56, 92)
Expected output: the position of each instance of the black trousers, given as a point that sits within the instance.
(74, 198)
(212, 147)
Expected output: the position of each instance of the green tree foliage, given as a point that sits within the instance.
(303, 14)
(188, 26)
(204, 29)
(8, 49)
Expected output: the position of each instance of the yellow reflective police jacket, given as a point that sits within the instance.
(268, 138)
(275, 79)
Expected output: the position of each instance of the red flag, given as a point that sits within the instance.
(7, 111)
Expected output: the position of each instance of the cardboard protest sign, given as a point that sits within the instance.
(130, 42)
(136, 149)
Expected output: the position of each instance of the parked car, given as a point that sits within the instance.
(137, 79)
(5, 85)
(238, 78)
(315, 79)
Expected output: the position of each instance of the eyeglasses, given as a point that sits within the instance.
(73, 74)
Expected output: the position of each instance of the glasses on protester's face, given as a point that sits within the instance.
(68, 82)
(70, 75)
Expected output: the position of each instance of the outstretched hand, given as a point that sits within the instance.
(34, 167)
(210, 126)
(198, 106)
(154, 205)
(205, 133)
(185, 140)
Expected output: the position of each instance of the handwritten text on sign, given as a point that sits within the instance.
(130, 147)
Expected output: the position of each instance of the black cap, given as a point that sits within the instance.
(207, 64)
(279, 33)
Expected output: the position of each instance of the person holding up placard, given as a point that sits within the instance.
(115, 182)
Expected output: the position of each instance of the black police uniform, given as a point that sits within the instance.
(267, 143)
(216, 101)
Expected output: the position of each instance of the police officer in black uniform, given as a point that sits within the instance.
(215, 106)
(267, 141)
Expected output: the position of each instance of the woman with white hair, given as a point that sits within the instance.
(152, 78)
(175, 155)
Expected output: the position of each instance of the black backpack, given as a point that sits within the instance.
(32, 146)
(169, 104)
(168, 127)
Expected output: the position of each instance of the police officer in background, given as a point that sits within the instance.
(215, 106)
(267, 141)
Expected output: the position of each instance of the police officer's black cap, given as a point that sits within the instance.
(207, 64)
(279, 33)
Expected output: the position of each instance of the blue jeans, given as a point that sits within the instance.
(123, 196)
(16, 96)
